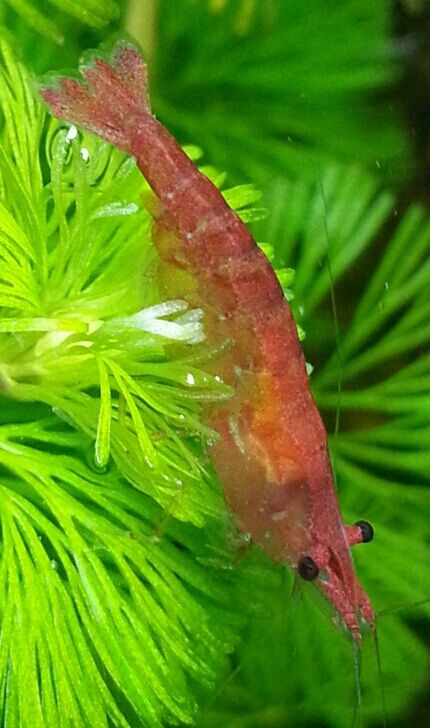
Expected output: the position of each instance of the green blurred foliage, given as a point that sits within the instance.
(278, 78)
(300, 99)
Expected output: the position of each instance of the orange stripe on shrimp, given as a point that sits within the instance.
(272, 457)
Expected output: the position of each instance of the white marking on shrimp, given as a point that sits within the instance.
(279, 516)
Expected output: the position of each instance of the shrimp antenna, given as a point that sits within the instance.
(402, 607)
(380, 676)
(333, 306)
(358, 708)
(296, 591)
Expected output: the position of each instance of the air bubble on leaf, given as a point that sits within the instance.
(71, 134)
(115, 209)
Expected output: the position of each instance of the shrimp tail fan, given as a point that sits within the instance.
(110, 99)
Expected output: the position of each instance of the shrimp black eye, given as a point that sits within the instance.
(366, 530)
(307, 568)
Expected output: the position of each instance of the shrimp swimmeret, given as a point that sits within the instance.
(272, 456)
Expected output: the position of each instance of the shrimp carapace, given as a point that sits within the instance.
(271, 456)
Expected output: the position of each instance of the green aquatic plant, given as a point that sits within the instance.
(104, 575)
(298, 85)
(48, 18)
(123, 591)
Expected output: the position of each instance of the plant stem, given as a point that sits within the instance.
(141, 22)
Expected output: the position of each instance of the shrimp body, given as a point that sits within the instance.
(272, 456)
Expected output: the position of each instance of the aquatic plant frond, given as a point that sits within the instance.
(292, 98)
(49, 19)
(103, 482)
